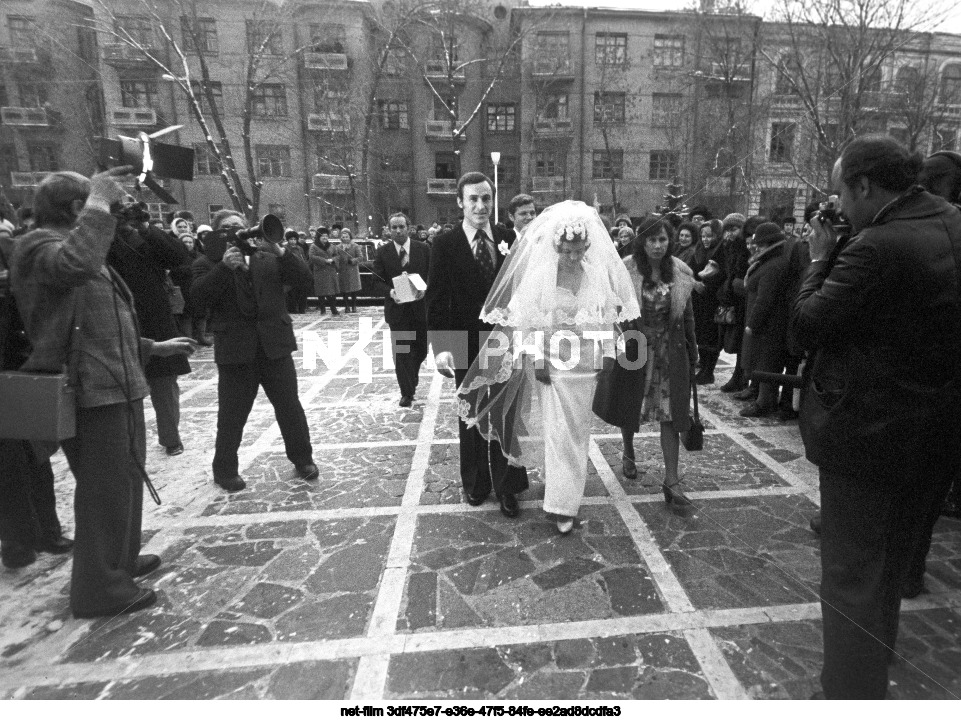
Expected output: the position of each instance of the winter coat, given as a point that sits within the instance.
(706, 303)
(325, 272)
(681, 337)
(767, 286)
(351, 256)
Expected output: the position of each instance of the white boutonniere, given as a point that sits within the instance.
(503, 248)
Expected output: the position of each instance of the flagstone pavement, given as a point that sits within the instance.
(377, 582)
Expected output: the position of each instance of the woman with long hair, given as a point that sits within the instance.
(532, 385)
(323, 261)
(664, 286)
(707, 266)
(351, 256)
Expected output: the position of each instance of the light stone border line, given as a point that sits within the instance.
(16, 680)
(246, 519)
(737, 435)
(717, 671)
(370, 680)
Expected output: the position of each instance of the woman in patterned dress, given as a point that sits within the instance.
(664, 286)
(351, 256)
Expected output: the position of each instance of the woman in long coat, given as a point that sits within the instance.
(324, 262)
(351, 256)
(708, 270)
(664, 286)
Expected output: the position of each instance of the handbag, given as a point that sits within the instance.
(725, 315)
(42, 406)
(619, 391)
(693, 439)
(175, 296)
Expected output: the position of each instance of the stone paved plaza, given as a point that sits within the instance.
(378, 582)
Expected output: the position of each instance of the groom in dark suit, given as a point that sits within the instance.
(407, 321)
(463, 265)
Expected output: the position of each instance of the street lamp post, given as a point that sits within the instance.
(496, 157)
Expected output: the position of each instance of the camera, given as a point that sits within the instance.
(216, 243)
(828, 213)
(133, 213)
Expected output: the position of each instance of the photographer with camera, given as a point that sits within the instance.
(79, 314)
(142, 255)
(880, 412)
(254, 337)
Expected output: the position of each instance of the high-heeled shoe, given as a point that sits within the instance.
(675, 498)
(565, 524)
(628, 467)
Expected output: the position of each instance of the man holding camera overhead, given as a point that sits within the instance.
(254, 340)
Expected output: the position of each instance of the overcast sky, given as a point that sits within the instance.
(951, 24)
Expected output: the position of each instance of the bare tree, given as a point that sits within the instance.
(176, 42)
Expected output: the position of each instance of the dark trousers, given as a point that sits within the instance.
(482, 465)
(323, 301)
(409, 349)
(106, 458)
(871, 528)
(28, 505)
(237, 386)
(165, 397)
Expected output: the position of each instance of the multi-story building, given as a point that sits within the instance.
(346, 110)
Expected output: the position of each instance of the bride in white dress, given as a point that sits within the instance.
(555, 304)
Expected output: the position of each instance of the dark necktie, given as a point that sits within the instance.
(403, 257)
(483, 256)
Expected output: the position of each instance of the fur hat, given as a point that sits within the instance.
(733, 220)
(767, 234)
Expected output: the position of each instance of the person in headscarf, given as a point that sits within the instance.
(324, 262)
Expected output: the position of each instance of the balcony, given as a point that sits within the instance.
(334, 184)
(27, 180)
(442, 130)
(438, 71)
(324, 123)
(737, 73)
(326, 62)
(548, 69)
(553, 127)
(548, 184)
(787, 100)
(25, 117)
(121, 55)
(442, 186)
(133, 117)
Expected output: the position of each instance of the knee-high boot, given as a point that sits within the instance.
(737, 381)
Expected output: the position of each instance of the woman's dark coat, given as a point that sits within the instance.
(767, 286)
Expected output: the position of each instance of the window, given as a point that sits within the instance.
(777, 202)
(907, 79)
(552, 52)
(205, 162)
(328, 38)
(33, 95)
(43, 157)
(216, 89)
(609, 107)
(548, 163)
(273, 161)
(782, 142)
(788, 70)
(4, 102)
(608, 165)
(665, 109)
(951, 85)
(138, 93)
(270, 101)
(610, 49)
(668, 51)
(200, 35)
(329, 98)
(446, 166)
(278, 209)
(87, 45)
(440, 47)
(137, 28)
(22, 31)
(553, 106)
(508, 170)
(501, 118)
(159, 211)
(396, 62)
(663, 165)
(268, 36)
(393, 115)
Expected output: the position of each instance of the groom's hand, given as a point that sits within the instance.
(445, 363)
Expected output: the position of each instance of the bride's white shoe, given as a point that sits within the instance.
(565, 525)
